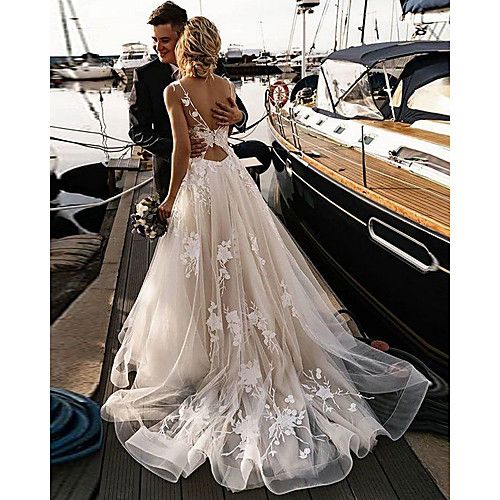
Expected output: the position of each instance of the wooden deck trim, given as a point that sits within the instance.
(398, 208)
(405, 128)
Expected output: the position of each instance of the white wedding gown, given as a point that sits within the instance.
(240, 356)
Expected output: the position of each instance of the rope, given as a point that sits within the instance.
(103, 202)
(90, 132)
(292, 31)
(313, 45)
(113, 149)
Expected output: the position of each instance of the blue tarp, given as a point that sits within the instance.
(418, 6)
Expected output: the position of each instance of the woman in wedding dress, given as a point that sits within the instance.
(240, 356)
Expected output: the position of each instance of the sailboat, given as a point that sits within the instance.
(361, 155)
(87, 67)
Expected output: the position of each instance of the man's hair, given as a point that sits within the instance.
(169, 13)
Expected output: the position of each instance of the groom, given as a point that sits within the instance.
(149, 122)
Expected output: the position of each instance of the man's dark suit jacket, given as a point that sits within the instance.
(149, 122)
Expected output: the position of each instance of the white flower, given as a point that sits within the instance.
(152, 234)
(352, 407)
(223, 252)
(304, 453)
(141, 209)
(318, 373)
(324, 392)
(250, 376)
(290, 399)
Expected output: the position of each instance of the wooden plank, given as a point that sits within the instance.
(255, 494)
(407, 475)
(293, 495)
(121, 474)
(338, 491)
(124, 164)
(154, 487)
(368, 481)
(201, 485)
(405, 128)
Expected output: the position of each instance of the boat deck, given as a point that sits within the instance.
(392, 471)
(410, 195)
(407, 129)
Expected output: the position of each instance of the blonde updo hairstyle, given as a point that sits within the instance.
(197, 50)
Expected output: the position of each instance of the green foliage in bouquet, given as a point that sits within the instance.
(146, 220)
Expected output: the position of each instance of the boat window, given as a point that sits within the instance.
(433, 97)
(414, 155)
(368, 139)
(320, 121)
(339, 129)
(348, 82)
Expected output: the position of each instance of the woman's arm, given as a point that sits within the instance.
(181, 150)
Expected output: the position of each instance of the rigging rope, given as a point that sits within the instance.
(313, 45)
(90, 132)
(103, 202)
(292, 31)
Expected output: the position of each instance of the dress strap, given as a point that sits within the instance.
(194, 113)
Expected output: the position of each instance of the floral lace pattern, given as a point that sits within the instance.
(286, 299)
(223, 256)
(319, 386)
(191, 255)
(214, 323)
(255, 249)
(234, 325)
(257, 319)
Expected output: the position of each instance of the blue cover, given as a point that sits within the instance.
(419, 6)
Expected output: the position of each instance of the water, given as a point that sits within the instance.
(78, 105)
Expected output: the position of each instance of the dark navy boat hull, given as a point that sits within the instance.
(393, 299)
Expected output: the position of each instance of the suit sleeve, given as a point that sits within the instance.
(242, 125)
(141, 121)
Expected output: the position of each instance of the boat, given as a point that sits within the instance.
(313, 62)
(264, 59)
(234, 54)
(86, 70)
(283, 60)
(89, 66)
(361, 156)
(133, 55)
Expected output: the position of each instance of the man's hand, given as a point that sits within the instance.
(198, 146)
(227, 114)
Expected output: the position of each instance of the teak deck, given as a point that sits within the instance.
(410, 195)
(391, 471)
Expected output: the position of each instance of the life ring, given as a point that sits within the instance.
(278, 93)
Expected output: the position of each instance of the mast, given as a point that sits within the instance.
(77, 22)
(65, 29)
(304, 7)
(364, 23)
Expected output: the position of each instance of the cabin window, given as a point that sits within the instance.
(368, 139)
(320, 121)
(339, 129)
(420, 157)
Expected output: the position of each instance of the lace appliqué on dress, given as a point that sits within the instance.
(223, 256)
(191, 255)
(319, 386)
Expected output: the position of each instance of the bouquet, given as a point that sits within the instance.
(146, 220)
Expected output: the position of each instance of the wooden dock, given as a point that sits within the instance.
(392, 471)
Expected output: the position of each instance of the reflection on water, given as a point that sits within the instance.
(95, 106)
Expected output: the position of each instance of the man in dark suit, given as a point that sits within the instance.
(149, 122)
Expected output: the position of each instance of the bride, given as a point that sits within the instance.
(239, 355)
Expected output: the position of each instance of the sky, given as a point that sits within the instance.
(107, 24)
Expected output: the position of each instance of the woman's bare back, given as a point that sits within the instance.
(204, 95)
